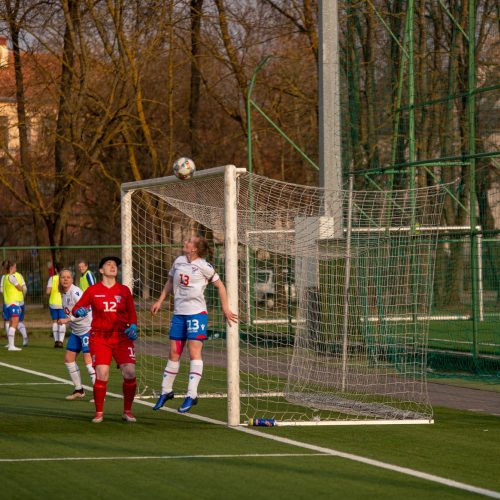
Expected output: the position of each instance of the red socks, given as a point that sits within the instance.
(99, 394)
(129, 388)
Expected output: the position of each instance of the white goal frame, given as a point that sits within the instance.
(231, 265)
(231, 174)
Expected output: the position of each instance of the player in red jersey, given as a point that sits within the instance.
(113, 331)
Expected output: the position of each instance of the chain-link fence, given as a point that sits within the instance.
(455, 347)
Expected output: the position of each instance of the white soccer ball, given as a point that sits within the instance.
(184, 168)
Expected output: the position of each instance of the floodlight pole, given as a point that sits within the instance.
(330, 176)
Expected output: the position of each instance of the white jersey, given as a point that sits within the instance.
(190, 280)
(78, 326)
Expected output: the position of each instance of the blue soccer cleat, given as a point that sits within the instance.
(163, 399)
(187, 404)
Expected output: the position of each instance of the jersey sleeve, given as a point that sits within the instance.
(132, 314)
(13, 279)
(209, 273)
(49, 283)
(85, 300)
(90, 278)
(172, 269)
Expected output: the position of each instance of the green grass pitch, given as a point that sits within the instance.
(170, 455)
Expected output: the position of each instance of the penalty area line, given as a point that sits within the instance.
(318, 449)
(165, 457)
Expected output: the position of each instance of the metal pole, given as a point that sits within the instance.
(126, 234)
(231, 268)
(480, 274)
(347, 284)
(329, 99)
(471, 112)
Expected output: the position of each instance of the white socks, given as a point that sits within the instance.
(169, 374)
(171, 371)
(91, 371)
(55, 331)
(10, 336)
(62, 332)
(22, 328)
(195, 373)
(58, 332)
(74, 373)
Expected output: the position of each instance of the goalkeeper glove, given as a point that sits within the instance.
(131, 331)
(81, 312)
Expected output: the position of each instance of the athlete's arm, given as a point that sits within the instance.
(230, 315)
(167, 290)
(85, 301)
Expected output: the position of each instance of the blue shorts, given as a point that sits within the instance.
(4, 312)
(13, 311)
(56, 314)
(189, 327)
(78, 344)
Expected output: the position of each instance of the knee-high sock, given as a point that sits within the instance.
(169, 374)
(129, 388)
(74, 374)
(91, 371)
(99, 394)
(22, 328)
(195, 373)
(62, 333)
(55, 332)
(10, 336)
(7, 326)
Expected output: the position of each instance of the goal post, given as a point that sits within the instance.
(306, 286)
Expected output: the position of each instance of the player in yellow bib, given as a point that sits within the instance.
(56, 308)
(13, 288)
(87, 277)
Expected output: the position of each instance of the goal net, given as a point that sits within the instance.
(332, 290)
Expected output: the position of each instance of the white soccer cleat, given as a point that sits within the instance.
(99, 417)
(128, 417)
(14, 348)
(25, 343)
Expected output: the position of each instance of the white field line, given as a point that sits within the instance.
(33, 383)
(165, 457)
(318, 449)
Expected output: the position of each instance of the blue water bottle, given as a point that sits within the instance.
(262, 422)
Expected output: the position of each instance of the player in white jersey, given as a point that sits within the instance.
(187, 279)
(80, 334)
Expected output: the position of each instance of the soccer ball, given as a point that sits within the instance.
(184, 168)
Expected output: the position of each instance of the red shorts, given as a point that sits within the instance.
(116, 345)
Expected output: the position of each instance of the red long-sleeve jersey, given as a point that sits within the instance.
(113, 309)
